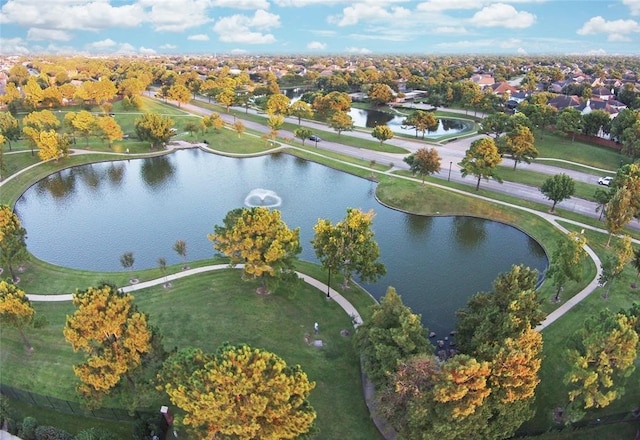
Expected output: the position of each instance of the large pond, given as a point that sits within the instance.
(373, 118)
(86, 217)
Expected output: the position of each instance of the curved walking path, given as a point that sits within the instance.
(335, 296)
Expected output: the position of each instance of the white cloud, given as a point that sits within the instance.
(176, 15)
(241, 4)
(617, 30)
(168, 46)
(198, 37)
(13, 46)
(238, 51)
(48, 34)
(450, 30)
(521, 51)
(316, 45)
(351, 15)
(634, 6)
(244, 29)
(442, 5)
(358, 50)
(146, 51)
(103, 44)
(70, 14)
(503, 15)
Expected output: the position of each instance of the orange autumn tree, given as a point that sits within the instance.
(115, 335)
(240, 392)
(15, 310)
(462, 385)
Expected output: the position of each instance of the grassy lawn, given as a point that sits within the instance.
(205, 311)
(208, 309)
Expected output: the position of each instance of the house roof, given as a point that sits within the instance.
(564, 101)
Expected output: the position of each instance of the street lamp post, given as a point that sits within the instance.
(329, 283)
(449, 178)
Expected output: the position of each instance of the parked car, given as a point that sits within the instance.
(606, 181)
(314, 138)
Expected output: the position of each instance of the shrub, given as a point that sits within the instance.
(28, 429)
(95, 434)
(52, 433)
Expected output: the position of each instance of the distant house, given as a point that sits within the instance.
(563, 101)
(503, 88)
(598, 104)
(483, 79)
(602, 93)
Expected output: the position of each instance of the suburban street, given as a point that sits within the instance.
(451, 154)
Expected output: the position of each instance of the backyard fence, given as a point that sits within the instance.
(65, 406)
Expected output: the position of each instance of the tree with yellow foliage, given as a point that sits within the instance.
(462, 385)
(109, 129)
(240, 392)
(15, 310)
(602, 355)
(259, 238)
(13, 249)
(115, 335)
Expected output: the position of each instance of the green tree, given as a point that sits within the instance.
(302, 133)
(392, 334)
(127, 260)
(481, 160)
(239, 392)
(566, 261)
(421, 121)
(180, 247)
(619, 211)
(13, 249)
(558, 188)
(349, 246)
(275, 122)
(261, 240)
(9, 128)
(16, 310)
(569, 122)
(613, 265)
(601, 357)
(341, 121)
(514, 303)
(519, 144)
(595, 121)
(154, 128)
(495, 124)
(300, 109)
(382, 133)
(108, 327)
(424, 162)
(326, 105)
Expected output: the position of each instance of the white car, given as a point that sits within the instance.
(606, 181)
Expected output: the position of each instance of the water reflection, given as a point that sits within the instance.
(372, 118)
(60, 185)
(469, 232)
(157, 172)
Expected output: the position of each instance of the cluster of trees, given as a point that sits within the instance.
(485, 388)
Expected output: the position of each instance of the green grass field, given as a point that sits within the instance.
(205, 310)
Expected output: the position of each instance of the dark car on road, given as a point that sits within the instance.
(314, 138)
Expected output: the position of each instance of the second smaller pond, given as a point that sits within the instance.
(372, 118)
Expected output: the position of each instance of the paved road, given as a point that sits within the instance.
(451, 154)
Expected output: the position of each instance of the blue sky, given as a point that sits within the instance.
(321, 27)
